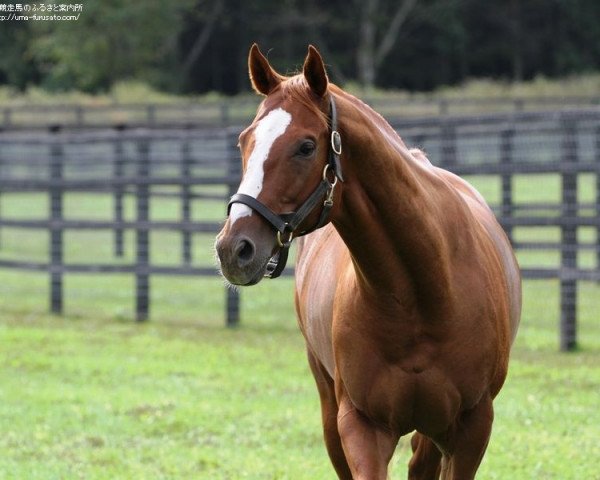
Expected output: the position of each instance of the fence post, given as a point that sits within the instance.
(7, 117)
(119, 167)
(443, 106)
(506, 158)
(519, 105)
(448, 144)
(151, 114)
(79, 115)
(597, 155)
(568, 282)
(1, 174)
(142, 234)
(234, 173)
(186, 210)
(56, 216)
(225, 114)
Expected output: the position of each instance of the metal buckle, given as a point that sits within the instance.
(335, 177)
(329, 199)
(336, 142)
(284, 244)
(272, 265)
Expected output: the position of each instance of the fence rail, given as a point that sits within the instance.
(200, 165)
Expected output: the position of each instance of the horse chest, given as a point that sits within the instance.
(403, 396)
(394, 382)
(315, 288)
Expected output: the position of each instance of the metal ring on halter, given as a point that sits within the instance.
(335, 177)
(281, 243)
(336, 142)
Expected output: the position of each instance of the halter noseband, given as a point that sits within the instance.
(286, 223)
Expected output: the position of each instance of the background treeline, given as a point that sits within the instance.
(201, 45)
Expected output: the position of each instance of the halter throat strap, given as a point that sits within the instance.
(286, 224)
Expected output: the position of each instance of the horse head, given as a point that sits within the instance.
(290, 164)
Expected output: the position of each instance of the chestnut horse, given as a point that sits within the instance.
(409, 295)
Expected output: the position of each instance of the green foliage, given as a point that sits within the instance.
(112, 40)
(202, 45)
(122, 92)
(540, 86)
(134, 91)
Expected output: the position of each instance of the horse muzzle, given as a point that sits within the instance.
(242, 261)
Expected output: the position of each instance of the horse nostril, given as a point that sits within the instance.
(245, 251)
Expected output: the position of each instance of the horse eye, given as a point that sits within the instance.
(307, 149)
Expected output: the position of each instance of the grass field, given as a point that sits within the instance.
(100, 398)
(93, 395)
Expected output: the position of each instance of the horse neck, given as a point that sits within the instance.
(395, 214)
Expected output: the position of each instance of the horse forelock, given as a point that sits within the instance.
(296, 89)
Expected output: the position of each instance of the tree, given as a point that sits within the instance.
(370, 53)
(16, 66)
(202, 45)
(112, 40)
(203, 36)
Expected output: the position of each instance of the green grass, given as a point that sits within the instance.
(94, 395)
(98, 397)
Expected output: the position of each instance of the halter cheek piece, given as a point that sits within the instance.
(286, 223)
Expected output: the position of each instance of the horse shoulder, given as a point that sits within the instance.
(322, 256)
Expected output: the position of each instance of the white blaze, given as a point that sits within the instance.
(268, 129)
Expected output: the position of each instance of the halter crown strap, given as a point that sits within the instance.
(336, 141)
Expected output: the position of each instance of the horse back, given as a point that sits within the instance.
(492, 230)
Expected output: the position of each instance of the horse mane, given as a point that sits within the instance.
(295, 88)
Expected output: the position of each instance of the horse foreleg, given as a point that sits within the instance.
(329, 414)
(368, 447)
(468, 442)
(425, 462)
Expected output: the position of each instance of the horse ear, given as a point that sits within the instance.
(314, 72)
(262, 76)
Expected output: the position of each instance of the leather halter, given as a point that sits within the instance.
(286, 224)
